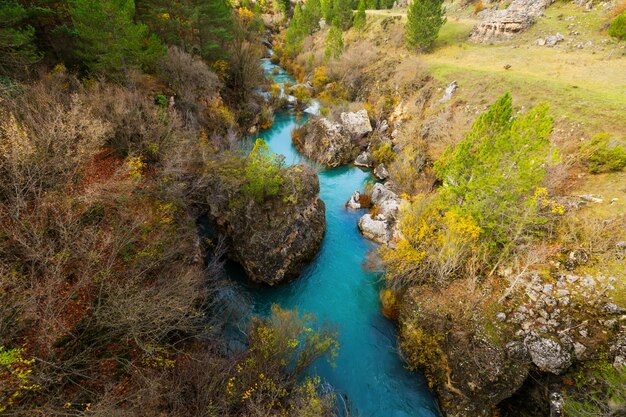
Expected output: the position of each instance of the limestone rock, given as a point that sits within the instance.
(450, 89)
(354, 202)
(325, 142)
(498, 25)
(375, 228)
(549, 355)
(356, 123)
(381, 172)
(275, 239)
(387, 201)
(364, 160)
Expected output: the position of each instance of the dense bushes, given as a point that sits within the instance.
(617, 28)
(490, 201)
(263, 173)
(604, 155)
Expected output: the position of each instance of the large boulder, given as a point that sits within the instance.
(548, 354)
(375, 228)
(356, 123)
(500, 25)
(387, 201)
(275, 239)
(325, 142)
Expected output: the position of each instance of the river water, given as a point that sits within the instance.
(337, 289)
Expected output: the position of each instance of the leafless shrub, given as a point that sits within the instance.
(189, 76)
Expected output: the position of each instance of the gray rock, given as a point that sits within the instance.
(557, 404)
(325, 142)
(381, 172)
(356, 123)
(548, 354)
(364, 160)
(554, 39)
(579, 350)
(498, 25)
(354, 202)
(376, 229)
(450, 89)
(500, 317)
(612, 308)
(273, 239)
(387, 201)
(591, 198)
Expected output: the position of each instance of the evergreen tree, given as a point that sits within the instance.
(17, 48)
(296, 32)
(360, 17)
(311, 15)
(213, 20)
(342, 10)
(372, 4)
(326, 7)
(334, 41)
(424, 19)
(110, 42)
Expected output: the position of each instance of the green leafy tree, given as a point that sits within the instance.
(360, 18)
(372, 4)
(424, 19)
(17, 47)
(110, 42)
(617, 29)
(263, 172)
(494, 174)
(334, 41)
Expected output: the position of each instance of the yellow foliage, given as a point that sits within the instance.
(320, 77)
(436, 244)
(135, 167)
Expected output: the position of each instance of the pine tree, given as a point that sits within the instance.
(110, 42)
(213, 20)
(326, 7)
(334, 41)
(342, 10)
(17, 48)
(296, 32)
(424, 19)
(311, 15)
(360, 17)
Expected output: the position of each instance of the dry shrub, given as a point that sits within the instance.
(46, 137)
(479, 6)
(409, 169)
(349, 68)
(140, 127)
(618, 10)
(189, 76)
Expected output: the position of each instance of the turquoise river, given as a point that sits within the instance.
(337, 289)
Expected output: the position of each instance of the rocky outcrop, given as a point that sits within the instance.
(275, 239)
(364, 160)
(330, 143)
(381, 227)
(499, 25)
(549, 354)
(356, 123)
(375, 228)
(381, 172)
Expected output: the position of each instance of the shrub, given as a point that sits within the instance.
(604, 156)
(617, 29)
(189, 77)
(263, 173)
(360, 18)
(437, 244)
(479, 6)
(422, 351)
(424, 19)
(383, 154)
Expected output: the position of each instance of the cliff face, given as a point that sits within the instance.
(275, 239)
